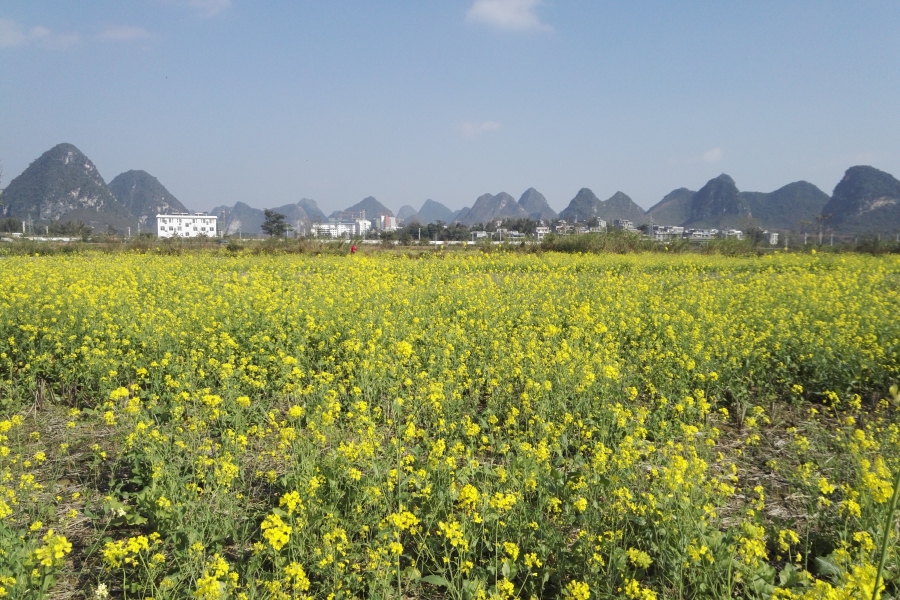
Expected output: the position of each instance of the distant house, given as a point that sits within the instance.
(624, 224)
(700, 234)
(662, 233)
(187, 225)
(541, 231)
(339, 229)
(563, 228)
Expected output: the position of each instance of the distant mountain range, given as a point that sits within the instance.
(721, 205)
(64, 185)
(586, 206)
(370, 207)
(243, 218)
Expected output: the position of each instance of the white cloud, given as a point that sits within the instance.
(123, 33)
(473, 129)
(507, 14)
(13, 34)
(210, 8)
(714, 155)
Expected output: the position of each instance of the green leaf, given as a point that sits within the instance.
(435, 580)
(135, 519)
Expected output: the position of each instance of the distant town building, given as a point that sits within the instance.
(186, 225)
(700, 234)
(663, 233)
(624, 224)
(563, 228)
(339, 229)
(773, 237)
(541, 231)
(387, 223)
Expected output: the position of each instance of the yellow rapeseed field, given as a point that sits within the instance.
(495, 426)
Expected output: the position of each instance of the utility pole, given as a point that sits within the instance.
(420, 234)
(129, 232)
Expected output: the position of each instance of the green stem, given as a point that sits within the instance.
(887, 534)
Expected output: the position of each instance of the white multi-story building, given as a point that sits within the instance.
(187, 225)
(343, 229)
(662, 233)
(700, 234)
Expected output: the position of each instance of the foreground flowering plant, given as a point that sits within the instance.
(487, 426)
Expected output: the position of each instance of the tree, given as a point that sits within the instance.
(275, 224)
(10, 225)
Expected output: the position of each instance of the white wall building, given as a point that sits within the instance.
(732, 233)
(187, 225)
(343, 229)
(662, 233)
(700, 234)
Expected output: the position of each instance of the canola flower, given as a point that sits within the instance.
(475, 426)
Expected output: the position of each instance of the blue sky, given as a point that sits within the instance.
(270, 102)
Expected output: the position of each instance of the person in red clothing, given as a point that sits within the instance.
(353, 249)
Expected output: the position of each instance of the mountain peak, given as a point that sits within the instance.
(866, 199)
(311, 208)
(406, 211)
(585, 206)
(372, 207)
(143, 195)
(534, 203)
(673, 209)
(432, 212)
(725, 178)
(489, 207)
(63, 184)
(716, 200)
